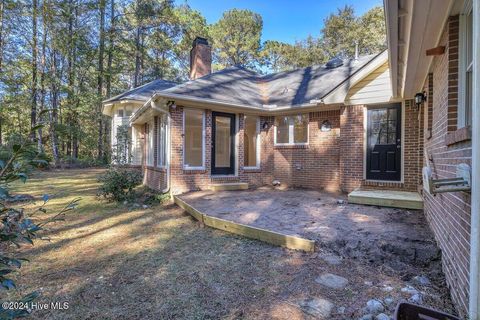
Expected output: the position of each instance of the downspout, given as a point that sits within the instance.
(155, 107)
(474, 303)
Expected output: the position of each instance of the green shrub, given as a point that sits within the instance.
(118, 184)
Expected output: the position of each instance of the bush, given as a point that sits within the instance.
(118, 184)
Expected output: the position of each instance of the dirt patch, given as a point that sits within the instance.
(397, 237)
(113, 262)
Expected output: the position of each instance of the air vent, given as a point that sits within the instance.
(334, 63)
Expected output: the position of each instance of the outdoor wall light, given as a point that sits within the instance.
(420, 98)
(172, 104)
(265, 125)
(326, 126)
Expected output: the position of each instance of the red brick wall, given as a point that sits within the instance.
(352, 147)
(449, 213)
(332, 161)
(314, 166)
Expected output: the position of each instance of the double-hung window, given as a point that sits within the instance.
(465, 66)
(194, 139)
(291, 130)
(162, 141)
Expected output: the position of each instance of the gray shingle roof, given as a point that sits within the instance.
(144, 92)
(242, 86)
(238, 85)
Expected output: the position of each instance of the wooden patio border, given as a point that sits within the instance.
(272, 237)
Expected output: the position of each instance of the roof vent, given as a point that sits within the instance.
(334, 63)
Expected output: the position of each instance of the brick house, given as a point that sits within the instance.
(306, 128)
(359, 124)
(433, 48)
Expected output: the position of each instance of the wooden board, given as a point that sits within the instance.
(191, 210)
(272, 237)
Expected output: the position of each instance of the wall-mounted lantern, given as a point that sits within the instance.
(265, 125)
(326, 126)
(420, 98)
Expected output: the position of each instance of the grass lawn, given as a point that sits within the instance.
(113, 262)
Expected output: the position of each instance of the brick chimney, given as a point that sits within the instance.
(200, 58)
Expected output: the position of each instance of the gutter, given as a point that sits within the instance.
(474, 296)
(267, 110)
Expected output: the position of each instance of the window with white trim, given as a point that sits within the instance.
(291, 130)
(150, 132)
(194, 139)
(465, 85)
(162, 141)
(251, 142)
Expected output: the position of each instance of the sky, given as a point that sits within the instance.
(283, 20)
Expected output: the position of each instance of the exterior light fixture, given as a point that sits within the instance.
(420, 98)
(172, 104)
(265, 125)
(326, 126)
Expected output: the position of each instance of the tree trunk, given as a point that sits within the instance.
(43, 62)
(137, 57)
(33, 111)
(2, 8)
(111, 46)
(54, 111)
(101, 50)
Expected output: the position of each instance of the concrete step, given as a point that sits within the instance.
(229, 186)
(387, 198)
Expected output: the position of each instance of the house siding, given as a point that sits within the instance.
(448, 213)
(374, 88)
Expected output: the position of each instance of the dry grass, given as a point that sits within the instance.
(110, 262)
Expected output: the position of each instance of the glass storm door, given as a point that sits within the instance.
(384, 151)
(223, 142)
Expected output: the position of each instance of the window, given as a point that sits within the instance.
(150, 128)
(120, 112)
(251, 141)
(128, 111)
(194, 139)
(290, 130)
(162, 141)
(466, 67)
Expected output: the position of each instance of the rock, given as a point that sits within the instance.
(366, 317)
(332, 281)
(331, 259)
(368, 283)
(317, 307)
(340, 202)
(374, 306)
(387, 288)
(416, 298)
(382, 316)
(341, 310)
(388, 301)
(144, 206)
(421, 280)
(276, 183)
(410, 290)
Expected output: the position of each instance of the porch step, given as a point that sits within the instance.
(229, 186)
(387, 198)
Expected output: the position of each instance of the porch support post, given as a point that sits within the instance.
(474, 303)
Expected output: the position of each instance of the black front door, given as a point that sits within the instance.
(223, 143)
(384, 143)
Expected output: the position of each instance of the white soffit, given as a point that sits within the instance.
(422, 27)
